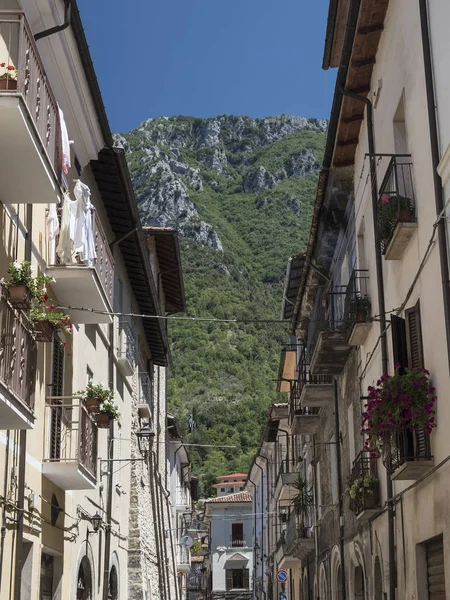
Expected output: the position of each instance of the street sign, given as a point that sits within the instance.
(283, 597)
(282, 576)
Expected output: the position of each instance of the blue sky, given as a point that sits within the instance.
(208, 57)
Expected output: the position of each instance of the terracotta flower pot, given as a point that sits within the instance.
(92, 404)
(103, 420)
(20, 296)
(405, 215)
(361, 316)
(43, 331)
(7, 84)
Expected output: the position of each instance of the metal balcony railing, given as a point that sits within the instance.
(404, 446)
(182, 497)
(365, 466)
(18, 49)
(127, 349)
(297, 528)
(305, 378)
(183, 555)
(397, 202)
(145, 389)
(235, 543)
(71, 434)
(18, 352)
(357, 306)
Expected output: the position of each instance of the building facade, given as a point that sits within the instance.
(230, 484)
(368, 370)
(75, 480)
(230, 560)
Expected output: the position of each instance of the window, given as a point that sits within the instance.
(435, 569)
(407, 338)
(231, 490)
(57, 388)
(222, 489)
(237, 534)
(241, 489)
(237, 579)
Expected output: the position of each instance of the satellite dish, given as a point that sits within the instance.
(187, 541)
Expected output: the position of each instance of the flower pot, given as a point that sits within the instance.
(92, 405)
(405, 215)
(43, 331)
(103, 420)
(369, 501)
(361, 316)
(20, 296)
(7, 84)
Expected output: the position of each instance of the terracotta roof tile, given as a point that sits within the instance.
(239, 497)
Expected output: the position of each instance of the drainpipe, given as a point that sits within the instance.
(262, 516)
(254, 537)
(382, 319)
(437, 183)
(109, 496)
(340, 490)
(5, 493)
(151, 470)
(57, 28)
(22, 445)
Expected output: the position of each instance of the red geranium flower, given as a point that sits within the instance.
(11, 68)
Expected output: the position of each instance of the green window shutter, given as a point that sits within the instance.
(229, 579)
(414, 337)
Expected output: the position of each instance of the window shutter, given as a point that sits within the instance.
(237, 532)
(436, 570)
(57, 390)
(399, 346)
(414, 337)
(246, 579)
(229, 579)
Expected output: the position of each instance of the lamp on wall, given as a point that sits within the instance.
(96, 521)
(145, 438)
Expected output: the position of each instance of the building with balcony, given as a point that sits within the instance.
(230, 484)
(231, 550)
(80, 484)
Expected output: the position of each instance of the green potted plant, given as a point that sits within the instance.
(392, 210)
(359, 308)
(46, 321)
(8, 78)
(93, 396)
(363, 491)
(23, 287)
(108, 412)
(303, 501)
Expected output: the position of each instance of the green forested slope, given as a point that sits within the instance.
(240, 192)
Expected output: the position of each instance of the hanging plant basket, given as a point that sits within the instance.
(20, 296)
(43, 331)
(92, 405)
(103, 420)
(8, 84)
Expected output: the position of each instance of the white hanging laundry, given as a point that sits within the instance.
(65, 142)
(52, 222)
(84, 235)
(65, 243)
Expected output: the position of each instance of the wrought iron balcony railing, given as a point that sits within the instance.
(407, 454)
(127, 347)
(363, 484)
(18, 352)
(18, 49)
(145, 389)
(397, 202)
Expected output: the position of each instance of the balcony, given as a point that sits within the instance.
(407, 455)
(145, 402)
(284, 486)
(238, 543)
(305, 421)
(126, 352)
(396, 207)
(357, 308)
(364, 487)
(30, 152)
(182, 501)
(329, 343)
(311, 390)
(284, 559)
(183, 559)
(85, 284)
(18, 354)
(299, 538)
(70, 459)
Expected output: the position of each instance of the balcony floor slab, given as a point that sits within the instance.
(316, 395)
(13, 413)
(330, 353)
(359, 333)
(79, 286)
(26, 172)
(305, 424)
(412, 470)
(403, 232)
(68, 475)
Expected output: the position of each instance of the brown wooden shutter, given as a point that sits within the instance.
(229, 573)
(57, 390)
(399, 345)
(414, 337)
(237, 532)
(436, 570)
(246, 579)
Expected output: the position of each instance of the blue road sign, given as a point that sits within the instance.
(282, 576)
(283, 597)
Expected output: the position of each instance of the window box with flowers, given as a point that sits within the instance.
(8, 77)
(108, 412)
(46, 321)
(94, 394)
(364, 494)
(398, 420)
(23, 288)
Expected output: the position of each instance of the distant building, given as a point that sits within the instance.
(231, 552)
(230, 484)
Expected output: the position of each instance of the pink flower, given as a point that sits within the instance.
(384, 199)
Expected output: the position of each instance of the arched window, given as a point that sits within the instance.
(360, 593)
(323, 585)
(113, 591)
(378, 580)
(339, 594)
(84, 580)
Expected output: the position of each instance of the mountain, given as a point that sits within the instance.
(240, 192)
